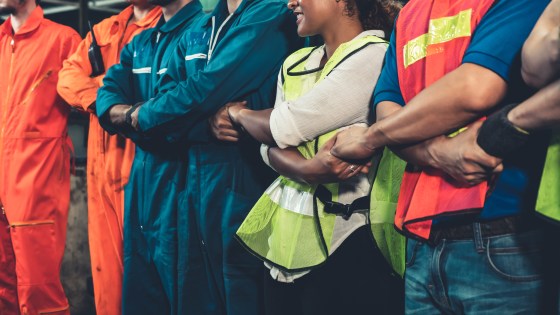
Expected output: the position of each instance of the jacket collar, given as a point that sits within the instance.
(149, 18)
(221, 10)
(33, 22)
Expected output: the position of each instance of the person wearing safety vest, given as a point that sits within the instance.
(450, 63)
(506, 132)
(109, 156)
(316, 248)
(34, 160)
(232, 54)
(156, 177)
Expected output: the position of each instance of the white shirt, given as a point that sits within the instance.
(341, 99)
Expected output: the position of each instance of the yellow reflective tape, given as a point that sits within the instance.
(440, 31)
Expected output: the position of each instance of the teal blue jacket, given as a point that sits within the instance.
(222, 58)
(143, 62)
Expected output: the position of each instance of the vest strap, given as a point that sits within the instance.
(344, 210)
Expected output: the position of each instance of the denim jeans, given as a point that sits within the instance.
(499, 275)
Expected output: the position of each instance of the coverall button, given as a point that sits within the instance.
(170, 138)
(141, 228)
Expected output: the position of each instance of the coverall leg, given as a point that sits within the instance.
(8, 280)
(150, 246)
(105, 219)
(37, 217)
(224, 183)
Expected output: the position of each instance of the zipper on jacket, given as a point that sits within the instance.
(35, 85)
(31, 223)
(214, 39)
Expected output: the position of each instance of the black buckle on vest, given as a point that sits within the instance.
(333, 207)
(337, 208)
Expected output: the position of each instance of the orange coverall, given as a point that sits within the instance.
(34, 165)
(109, 157)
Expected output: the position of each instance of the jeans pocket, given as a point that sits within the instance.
(517, 257)
(411, 249)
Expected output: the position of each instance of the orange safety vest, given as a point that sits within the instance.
(431, 40)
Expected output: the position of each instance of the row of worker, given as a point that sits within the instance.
(415, 157)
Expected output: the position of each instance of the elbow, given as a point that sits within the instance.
(538, 68)
(533, 80)
(481, 93)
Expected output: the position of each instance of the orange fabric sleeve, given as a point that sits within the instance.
(75, 85)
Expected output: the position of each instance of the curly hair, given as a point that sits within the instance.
(374, 14)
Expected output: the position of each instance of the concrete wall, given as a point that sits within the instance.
(76, 264)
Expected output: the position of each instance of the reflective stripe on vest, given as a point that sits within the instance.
(548, 201)
(424, 55)
(287, 227)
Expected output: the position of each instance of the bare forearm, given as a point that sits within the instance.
(450, 103)
(417, 154)
(541, 51)
(257, 124)
(289, 163)
(541, 111)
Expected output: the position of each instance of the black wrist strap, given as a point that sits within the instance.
(498, 136)
(130, 111)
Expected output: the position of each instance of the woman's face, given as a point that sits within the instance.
(313, 16)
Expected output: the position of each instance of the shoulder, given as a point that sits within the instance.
(266, 9)
(58, 32)
(105, 27)
(60, 29)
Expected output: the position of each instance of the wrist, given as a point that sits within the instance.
(498, 136)
(431, 156)
(369, 139)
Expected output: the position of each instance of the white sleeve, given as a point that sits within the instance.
(340, 99)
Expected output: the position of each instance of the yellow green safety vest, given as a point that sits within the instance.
(548, 201)
(296, 236)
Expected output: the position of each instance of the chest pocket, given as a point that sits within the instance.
(196, 55)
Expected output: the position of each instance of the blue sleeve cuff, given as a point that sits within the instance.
(389, 96)
(489, 62)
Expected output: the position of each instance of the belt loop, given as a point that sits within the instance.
(478, 243)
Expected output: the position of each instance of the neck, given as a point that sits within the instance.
(140, 12)
(233, 5)
(171, 9)
(20, 17)
(339, 34)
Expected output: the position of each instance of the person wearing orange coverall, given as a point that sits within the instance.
(34, 160)
(109, 157)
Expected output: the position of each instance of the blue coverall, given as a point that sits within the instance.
(223, 58)
(157, 174)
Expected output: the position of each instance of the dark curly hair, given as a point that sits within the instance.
(374, 14)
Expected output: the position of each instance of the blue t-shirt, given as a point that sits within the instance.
(495, 45)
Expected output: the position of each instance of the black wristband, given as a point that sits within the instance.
(130, 111)
(498, 136)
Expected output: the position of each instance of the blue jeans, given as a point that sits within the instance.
(493, 275)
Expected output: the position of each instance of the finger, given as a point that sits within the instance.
(498, 169)
(228, 138)
(364, 170)
(475, 179)
(228, 133)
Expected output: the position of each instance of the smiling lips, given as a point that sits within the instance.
(299, 16)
